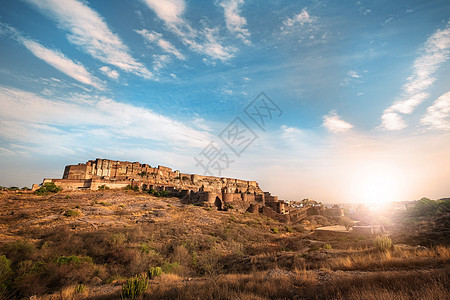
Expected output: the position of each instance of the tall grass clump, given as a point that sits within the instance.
(154, 272)
(382, 243)
(134, 287)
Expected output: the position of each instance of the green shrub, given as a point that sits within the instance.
(132, 187)
(47, 188)
(80, 288)
(103, 187)
(274, 230)
(158, 194)
(72, 213)
(118, 238)
(5, 274)
(289, 229)
(73, 259)
(169, 267)
(154, 272)
(144, 248)
(229, 206)
(313, 248)
(327, 246)
(382, 243)
(134, 287)
(105, 203)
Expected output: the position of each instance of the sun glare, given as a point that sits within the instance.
(377, 184)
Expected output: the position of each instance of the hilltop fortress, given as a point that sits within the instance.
(215, 192)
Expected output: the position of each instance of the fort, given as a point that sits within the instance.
(215, 192)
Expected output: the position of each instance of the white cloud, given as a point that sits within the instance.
(212, 47)
(435, 51)
(170, 11)
(156, 38)
(54, 58)
(392, 121)
(31, 117)
(353, 74)
(352, 78)
(109, 72)
(235, 22)
(333, 123)
(300, 19)
(291, 134)
(438, 114)
(204, 41)
(57, 60)
(87, 29)
(160, 61)
(304, 27)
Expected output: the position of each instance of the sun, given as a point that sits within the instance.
(377, 184)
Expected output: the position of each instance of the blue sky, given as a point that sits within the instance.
(363, 88)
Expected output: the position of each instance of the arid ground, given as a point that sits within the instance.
(87, 244)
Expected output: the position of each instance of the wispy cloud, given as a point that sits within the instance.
(334, 123)
(205, 41)
(87, 29)
(352, 78)
(155, 37)
(90, 117)
(438, 114)
(113, 74)
(298, 20)
(235, 22)
(435, 51)
(160, 61)
(304, 27)
(54, 58)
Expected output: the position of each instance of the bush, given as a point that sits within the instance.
(73, 259)
(132, 187)
(19, 250)
(158, 194)
(154, 272)
(103, 187)
(47, 188)
(327, 246)
(5, 274)
(72, 213)
(289, 229)
(382, 243)
(274, 230)
(134, 287)
(80, 288)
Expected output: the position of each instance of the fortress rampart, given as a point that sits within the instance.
(216, 192)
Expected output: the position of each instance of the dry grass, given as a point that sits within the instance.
(400, 258)
(204, 254)
(307, 284)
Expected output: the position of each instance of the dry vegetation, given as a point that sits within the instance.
(88, 244)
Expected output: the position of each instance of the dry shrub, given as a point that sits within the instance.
(74, 292)
(391, 285)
